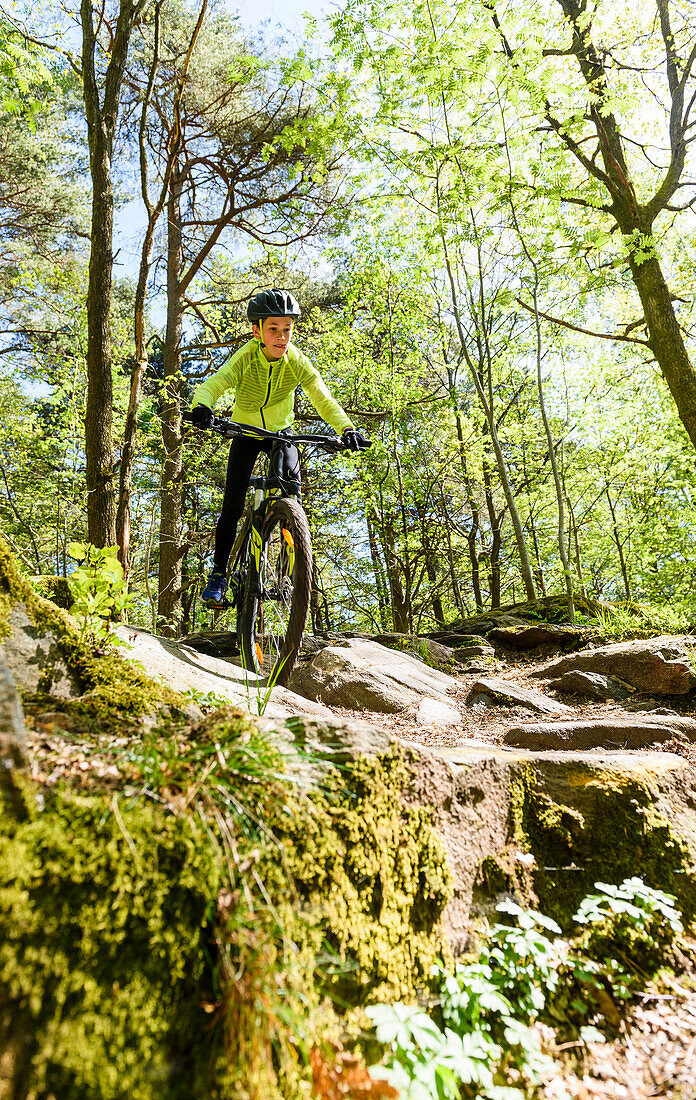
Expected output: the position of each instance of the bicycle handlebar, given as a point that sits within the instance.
(230, 428)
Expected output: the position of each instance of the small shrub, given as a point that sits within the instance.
(633, 921)
(99, 590)
(479, 1037)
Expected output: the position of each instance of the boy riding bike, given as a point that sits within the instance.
(264, 374)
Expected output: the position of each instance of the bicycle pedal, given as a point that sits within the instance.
(223, 606)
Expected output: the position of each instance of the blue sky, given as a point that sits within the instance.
(285, 14)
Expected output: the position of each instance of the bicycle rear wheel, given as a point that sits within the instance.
(276, 598)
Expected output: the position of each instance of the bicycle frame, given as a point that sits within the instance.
(272, 565)
(248, 543)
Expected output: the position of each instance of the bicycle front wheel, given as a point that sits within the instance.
(276, 598)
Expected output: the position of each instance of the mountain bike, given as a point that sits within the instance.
(270, 575)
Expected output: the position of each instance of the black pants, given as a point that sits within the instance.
(243, 455)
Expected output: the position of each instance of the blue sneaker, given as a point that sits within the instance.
(214, 592)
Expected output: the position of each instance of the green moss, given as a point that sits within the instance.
(617, 834)
(113, 692)
(55, 589)
(108, 947)
(370, 879)
(416, 647)
(103, 925)
(14, 588)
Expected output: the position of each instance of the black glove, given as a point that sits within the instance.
(355, 440)
(201, 416)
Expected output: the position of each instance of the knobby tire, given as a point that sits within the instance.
(279, 649)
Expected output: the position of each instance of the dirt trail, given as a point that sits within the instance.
(490, 723)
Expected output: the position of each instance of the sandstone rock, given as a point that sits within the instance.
(424, 647)
(658, 665)
(538, 634)
(479, 665)
(432, 712)
(185, 669)
(584, 817)
(364, 675)
(13, 735)
(545, 826)
(591, 684)
(336, 740)
(466, 653)
(462, 641)
(624, 733)
(35, 658)
(492, 690)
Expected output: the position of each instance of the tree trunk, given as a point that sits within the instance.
(475, 527)
(635, 219)
(377, 569)
(496, 521)
(431, 563)
(567, 574)
(140, 364)
(576, 543)
(314, 603)
(487, 406)
(537, 554)
(170, 550)
(619, 544)
(406, 561)
(101, 126)
(173, 145)
(452, 563)
(99, 456)
(399, 607)
(666, 340)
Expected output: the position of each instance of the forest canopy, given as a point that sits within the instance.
(486, 212)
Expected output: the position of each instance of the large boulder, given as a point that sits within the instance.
(661, 666)
(549, 825)
(615, 733)
(493, 690)
(364, 675)
(36, 657)
(531, 636)
(187, 669)
(434, 653)
(543, 825)
(593, 685)
(464, 654)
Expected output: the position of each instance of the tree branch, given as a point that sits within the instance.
(585, 331)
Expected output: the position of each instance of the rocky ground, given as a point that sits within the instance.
(538, 688)
(486, 723)
(654, 1053)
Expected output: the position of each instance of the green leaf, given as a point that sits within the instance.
(404, 1025)
(77, 551)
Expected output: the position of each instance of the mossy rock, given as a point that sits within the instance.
(104, 690)
(583, 828)
(113, 936)
(104, 915)
(368, 875)
(120, 925)
(55, 589)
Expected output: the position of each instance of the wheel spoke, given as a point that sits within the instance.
(274, 612)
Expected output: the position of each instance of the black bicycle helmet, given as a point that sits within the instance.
(272, 303)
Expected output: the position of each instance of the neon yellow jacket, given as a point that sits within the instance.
(264, 391)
